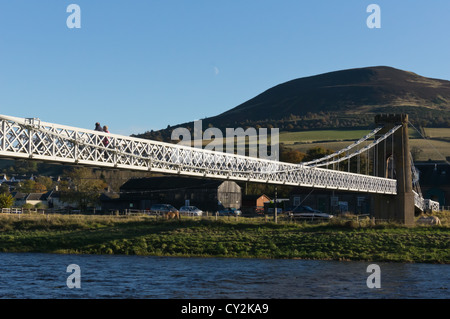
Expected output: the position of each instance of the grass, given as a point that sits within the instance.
(437, 132)
(436, 150)
(432, 149)
(436, 147)
(321, 135)
(245, 238)
(340, 135)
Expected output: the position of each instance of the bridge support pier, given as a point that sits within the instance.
(400, 207)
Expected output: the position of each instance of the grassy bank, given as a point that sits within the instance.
(339, 240)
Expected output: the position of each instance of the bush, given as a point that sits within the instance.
(6, 200)
(40, 206)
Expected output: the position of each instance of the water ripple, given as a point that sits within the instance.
(32, 276)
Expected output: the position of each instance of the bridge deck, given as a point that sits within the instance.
(34, 139)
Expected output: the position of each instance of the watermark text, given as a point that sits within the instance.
(235, 140)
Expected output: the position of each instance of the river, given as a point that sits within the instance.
(46, 276)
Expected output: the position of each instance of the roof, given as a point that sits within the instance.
(19, 195)
(49, 194)
(35, 196)
(28, 196)
(108, 196)
(254, 197)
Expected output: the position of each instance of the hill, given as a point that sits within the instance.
(350, 91)
(340, 99)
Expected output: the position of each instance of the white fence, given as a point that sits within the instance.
(12, 210)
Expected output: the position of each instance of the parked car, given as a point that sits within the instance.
(306, 212)
(191, 211)
(161, 209)
(229, 212)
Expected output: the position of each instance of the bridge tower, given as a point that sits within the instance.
(393, 158)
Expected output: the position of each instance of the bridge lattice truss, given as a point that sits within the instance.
(34, 139)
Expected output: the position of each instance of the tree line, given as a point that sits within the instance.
(419, 117)
(79, 186)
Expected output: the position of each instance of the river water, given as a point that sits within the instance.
(45, 276)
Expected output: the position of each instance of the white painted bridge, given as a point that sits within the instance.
(31, 138)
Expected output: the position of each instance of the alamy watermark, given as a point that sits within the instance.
(374, 279)
(74, 279)
(235, 140)
(374, 19)
(74, 19)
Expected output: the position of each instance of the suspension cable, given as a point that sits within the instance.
(374, 143)
(344, 149)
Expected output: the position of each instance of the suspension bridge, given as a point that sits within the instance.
(378, 163)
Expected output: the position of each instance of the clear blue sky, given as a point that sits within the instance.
(138, 65)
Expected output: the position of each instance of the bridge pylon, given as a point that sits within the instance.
(393, 158)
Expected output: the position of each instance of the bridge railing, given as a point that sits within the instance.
(419, 201)
(425, 204)
(34, 139)
(431, 205)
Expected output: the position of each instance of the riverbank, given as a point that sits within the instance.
(225, 237)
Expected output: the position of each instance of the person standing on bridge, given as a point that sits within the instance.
(98, 127)
(106, 139)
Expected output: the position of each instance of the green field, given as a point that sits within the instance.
(438, 133)
(323, 135)
(435, 147)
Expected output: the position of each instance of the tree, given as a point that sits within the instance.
(6, 200)
(292, 156)
(45, 181)
(317, 152)
(27, 186)
(39, 188)
(84, 188)
(4, 189)
(24, 167)
(40, 206)
(30, 186)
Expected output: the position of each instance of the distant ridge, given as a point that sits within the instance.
(346, 98)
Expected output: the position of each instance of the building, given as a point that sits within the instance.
(332, 202)
(434, 180)
(254, 204)
(36, 198)
(21, 199)
(207, 195)
(54, 201)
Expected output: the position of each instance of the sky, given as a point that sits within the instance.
(141, 65)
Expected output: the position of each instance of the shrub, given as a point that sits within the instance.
(6, 200)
